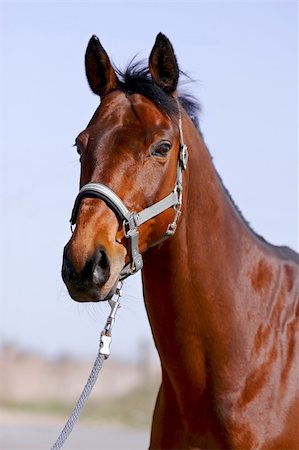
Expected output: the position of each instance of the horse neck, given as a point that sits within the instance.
(191, 281)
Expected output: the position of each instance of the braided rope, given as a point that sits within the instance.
(80, 403)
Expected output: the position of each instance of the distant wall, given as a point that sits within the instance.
(28, 378)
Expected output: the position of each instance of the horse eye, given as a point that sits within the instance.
(161, 149)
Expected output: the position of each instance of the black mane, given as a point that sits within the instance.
(136, 78)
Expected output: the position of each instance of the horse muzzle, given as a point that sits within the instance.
(92, 283)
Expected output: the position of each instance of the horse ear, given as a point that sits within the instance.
(99, 71)
(163, 64)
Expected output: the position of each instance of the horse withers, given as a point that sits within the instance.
(222, 303)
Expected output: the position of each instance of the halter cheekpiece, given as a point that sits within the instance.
(131, 220)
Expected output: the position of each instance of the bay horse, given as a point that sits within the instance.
(222, 303)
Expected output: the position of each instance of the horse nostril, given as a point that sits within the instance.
(101, 271)
(68, 272)
(103, 260)
(95, 272)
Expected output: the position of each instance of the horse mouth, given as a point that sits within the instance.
(91, 294)
(86, 290)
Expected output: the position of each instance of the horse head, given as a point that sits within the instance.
(131, 146)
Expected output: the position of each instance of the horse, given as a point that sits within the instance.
(222, 302)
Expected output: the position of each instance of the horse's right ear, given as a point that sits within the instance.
(99, 71)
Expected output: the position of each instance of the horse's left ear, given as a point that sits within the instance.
(163, 64)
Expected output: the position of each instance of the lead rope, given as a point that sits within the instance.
(104, 352)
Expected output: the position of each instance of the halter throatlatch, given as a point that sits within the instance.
(131, 221)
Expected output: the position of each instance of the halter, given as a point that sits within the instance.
(131, 220)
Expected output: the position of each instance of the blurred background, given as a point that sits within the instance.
(243, 56)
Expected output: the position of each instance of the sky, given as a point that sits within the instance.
(243, 57)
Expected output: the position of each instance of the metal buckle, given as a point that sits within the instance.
(171, 229)
(126, 228)
(130, 229)
(137, 262)
(130, 225)
(184, 156)
(106, 337)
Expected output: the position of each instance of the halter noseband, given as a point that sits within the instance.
(131, 220)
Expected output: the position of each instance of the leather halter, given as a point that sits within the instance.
(131, 220)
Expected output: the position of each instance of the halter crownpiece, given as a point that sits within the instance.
(131, 220)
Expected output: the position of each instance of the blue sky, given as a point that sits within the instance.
(244, 56)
